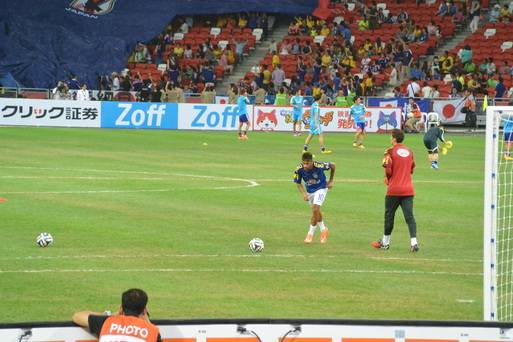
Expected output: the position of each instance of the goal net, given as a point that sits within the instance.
(498, 218)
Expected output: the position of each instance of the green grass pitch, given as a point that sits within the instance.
(160, 210)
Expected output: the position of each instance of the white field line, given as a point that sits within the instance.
(167, 256)
(253, 270)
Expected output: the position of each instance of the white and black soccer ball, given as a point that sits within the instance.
(256, 245)
(44, 240)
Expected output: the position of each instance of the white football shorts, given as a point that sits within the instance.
(317, 197)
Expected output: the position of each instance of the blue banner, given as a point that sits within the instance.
(139, 115)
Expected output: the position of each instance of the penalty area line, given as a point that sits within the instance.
(165, 270)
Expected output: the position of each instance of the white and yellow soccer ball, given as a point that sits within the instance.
(44, 240)
(256, 245)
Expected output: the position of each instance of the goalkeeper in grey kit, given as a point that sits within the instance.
(431, 142)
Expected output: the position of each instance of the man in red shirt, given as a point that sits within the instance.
(399, 163)
(131, 324)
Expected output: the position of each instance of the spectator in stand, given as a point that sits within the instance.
(325, 31)
(210, 56)
(454, 93)
(275, 61)
(505, 14)
(494, 14)
(208, 74)
(224, 62)
(470, 67)
(416, 72)
(407, 61)
(259, 95)
(73, 84)
(239, 48)
(393, 75)
(137, 82)
(443, 10)
(286, 47)
(114, 81)
(483, 83)
(126, 85)
(253, 20)
(363, 24)
(373, 15)
(431, 28)
(243, 21)
(188, 53)
(231, 22)
(346, 33)
(402, 16)
(458, 17)
(465, 54)
(397, 92)
(413, 88)
(317, 69)
(482, 66)
(168, 38)
(293, 29)
(500, 89)
(278, 75)
(273, 47)
(504, 69)
(267, 76)
(423, 36)
(178, 50)
(382, 18)
(435, 93)
(475, 15)
(296, 48)
(490, 67)
(426, 91)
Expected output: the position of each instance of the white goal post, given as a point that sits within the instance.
(498, 220)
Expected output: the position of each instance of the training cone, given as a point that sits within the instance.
(3, 199)
(449, 144)
(444, 150)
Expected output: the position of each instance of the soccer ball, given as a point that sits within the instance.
(410, 115)
(44, 240)
(256, 245)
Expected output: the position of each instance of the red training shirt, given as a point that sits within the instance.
(399, 163)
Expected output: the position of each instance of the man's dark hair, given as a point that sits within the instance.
(398, 135)
(317, 98)
(134, 301)
(307, 156)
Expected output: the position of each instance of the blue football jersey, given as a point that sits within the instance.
(314, 179)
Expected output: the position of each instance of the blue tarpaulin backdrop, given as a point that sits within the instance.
(42, 42)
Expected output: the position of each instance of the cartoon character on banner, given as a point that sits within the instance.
(267, 121)
(387, 122)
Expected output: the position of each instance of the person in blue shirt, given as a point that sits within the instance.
(315, 126)
(357, 111)
(500, 89)
(297, 112)
(242, 102)
(239, 48)
(508, 137)
(312, 174)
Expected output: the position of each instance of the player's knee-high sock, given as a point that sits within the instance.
(312, 230)
(386, 239)
(321, 226)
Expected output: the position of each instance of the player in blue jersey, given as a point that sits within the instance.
(297, 112)
(315, 126)
(242, 102)
(357, 111)
(508, 137)
(312, 174)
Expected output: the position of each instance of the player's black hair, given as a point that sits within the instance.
(134, 301)
(307, 156)
(317, 98)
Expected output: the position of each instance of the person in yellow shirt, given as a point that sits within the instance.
(221, 21)
(275, 60)
(267, 76)
(326, 60)
(243, 21)
(309, 21)
(178, 50)
(316, 90)
(325, 31)
(367, 45)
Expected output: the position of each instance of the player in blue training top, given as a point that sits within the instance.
(297, 112)
(508, 137)
(312, 174)
(315, 125)
(357, 111)
(242, 101)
